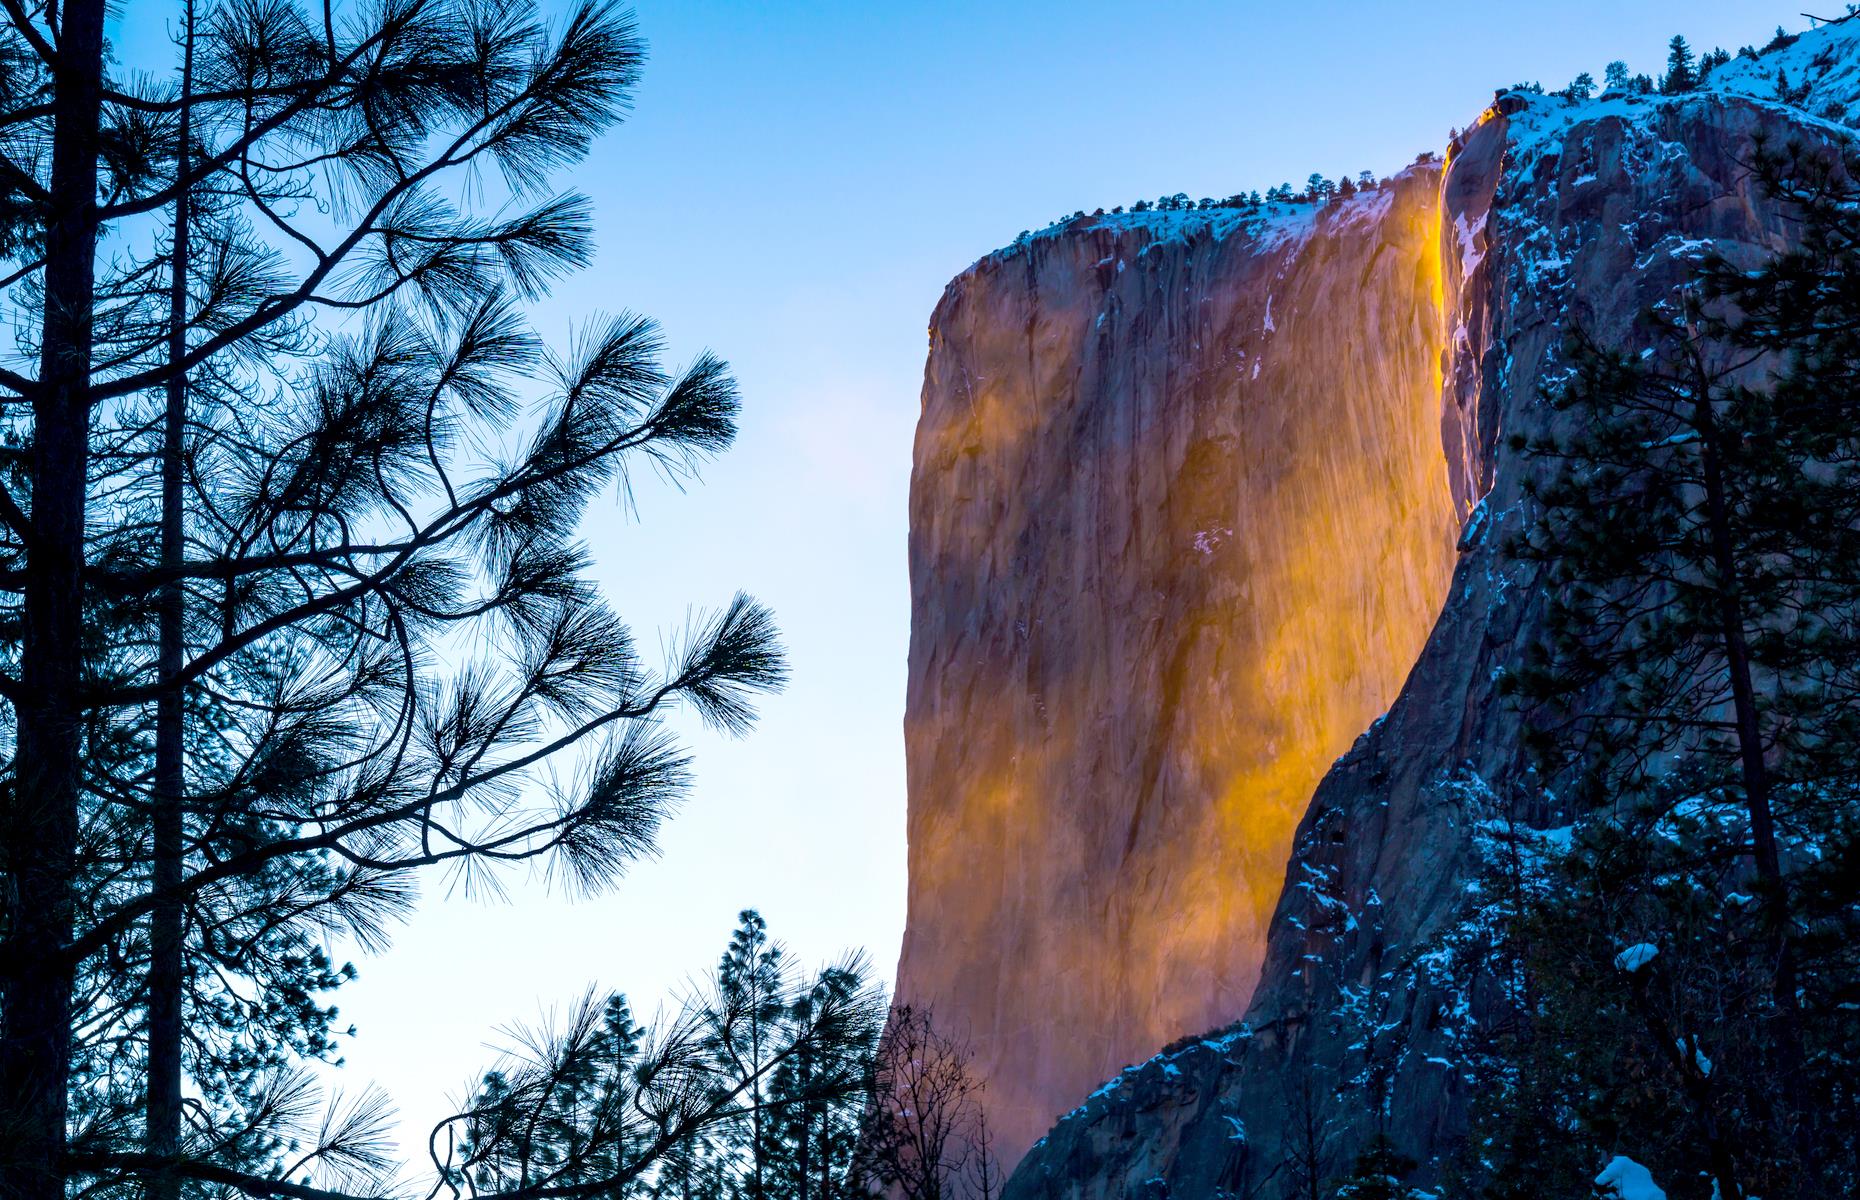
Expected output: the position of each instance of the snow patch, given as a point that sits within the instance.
(1636, 956)
(1207, 541)
(1628, 1180)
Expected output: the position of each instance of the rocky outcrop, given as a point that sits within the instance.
(1372, 983)
(1179, 526)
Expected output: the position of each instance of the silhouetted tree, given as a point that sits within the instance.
(699, 1107)
(303, 363)
(922, 1133)
(1710, 62)
(751, 980)
(1680, 76)
(1378, 1173)
(985, 1177)
(1305, 1152)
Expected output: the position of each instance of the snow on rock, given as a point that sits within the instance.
(1268, 227)
(1820, 69)
(1626, 1179)
(1690, 1049)
(1812, 79)
(1265, 227)
(1635, 957)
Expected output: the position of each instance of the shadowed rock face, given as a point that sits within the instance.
(1180, 523)
(1367, 992)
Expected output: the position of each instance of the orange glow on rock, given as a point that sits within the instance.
(1179, 527)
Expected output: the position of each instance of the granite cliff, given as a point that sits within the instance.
(1203, 501)
(1179, 525)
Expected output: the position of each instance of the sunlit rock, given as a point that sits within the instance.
(1180, 523)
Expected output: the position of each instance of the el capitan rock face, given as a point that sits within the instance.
(1180, 523)
(1374, 981)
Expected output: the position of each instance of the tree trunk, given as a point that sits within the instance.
(802, 1151)
(1698, 1090)
(41, 828)
(168, 920)
(1755, 775)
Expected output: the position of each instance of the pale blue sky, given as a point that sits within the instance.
(799, 182)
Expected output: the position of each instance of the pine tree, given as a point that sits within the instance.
(707, 1108)
(168, 919)
(321, 236)
(1305, 1147)
(1698, 692)
(1583, 87)
(752, 982)
(1615, 78)
(1378, 1173)
(817, 1097)
(985, 1178)
(1680, 76)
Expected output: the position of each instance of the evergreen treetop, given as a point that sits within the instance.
(1680, 74)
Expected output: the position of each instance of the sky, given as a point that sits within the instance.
(798, 183)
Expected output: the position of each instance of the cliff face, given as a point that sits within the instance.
(1372, 984)
(1180, 523)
